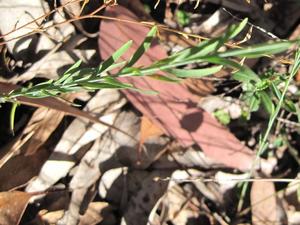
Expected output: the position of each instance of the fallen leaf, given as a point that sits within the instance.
(147, 130)
(175, 109)
(20, 169)
(41, 125)
(78, 137)
(263, 201)
(12, 206)
(52, 217)
(94, 214)
(45, 122)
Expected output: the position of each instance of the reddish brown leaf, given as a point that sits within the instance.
(20, 169)
(12, 206)
(175, 109)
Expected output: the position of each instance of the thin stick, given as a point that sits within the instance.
(240, 180)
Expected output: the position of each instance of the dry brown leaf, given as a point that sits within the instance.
(44, 121)
(263, 200)
(41, 125)
(12, 206)
(20, 169)
(94, 213)
(147, 130)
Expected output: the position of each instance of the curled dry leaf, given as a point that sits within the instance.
(12, 206)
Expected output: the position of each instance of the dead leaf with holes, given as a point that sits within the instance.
(12, 206)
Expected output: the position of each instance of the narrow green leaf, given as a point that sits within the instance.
(208, 46)
(244, 74)
(258, 50)
(296, 65)
(289, 105)
(143, 47)
(267, 102)
(195, 73)
(106, 65)
(73, 67)
(276, 90)
(115, 82)
(69, 72)
(12, 116)
(113, 66)
(235, 29)
(103, 85)
(165, 78)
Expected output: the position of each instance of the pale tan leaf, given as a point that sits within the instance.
(263, 201)
(12, 206)
(94, 213)
(52, 217)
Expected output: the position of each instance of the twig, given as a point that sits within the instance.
(240, 180)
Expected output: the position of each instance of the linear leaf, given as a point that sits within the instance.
(235, 29)
(165, 78)
(244, 74)
(276, 90)
(143, 47)
(12, 116)
(114, 57)
(258, 50)
(195, 73)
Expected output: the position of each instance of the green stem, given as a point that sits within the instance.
(263, 143)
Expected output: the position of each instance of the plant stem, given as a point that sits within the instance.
(263, 142)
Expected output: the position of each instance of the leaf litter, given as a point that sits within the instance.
(135, 163)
